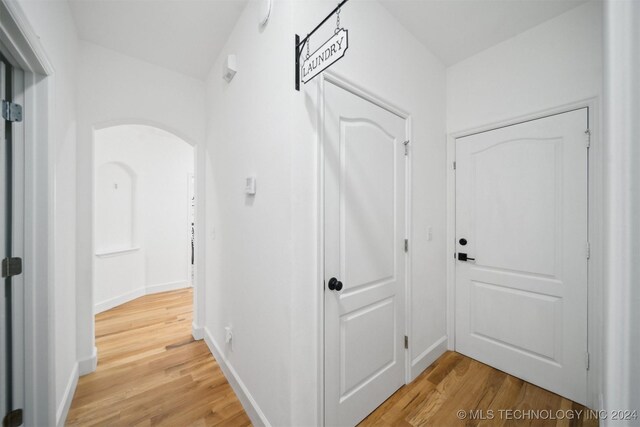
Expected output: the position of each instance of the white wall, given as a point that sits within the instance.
(547, 67)
(117, 89)
(115, 193)
(147, 215)
(249, 239)
(263, 250)
(555, 63)
(54, 25)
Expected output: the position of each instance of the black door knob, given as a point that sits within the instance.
(335, 284)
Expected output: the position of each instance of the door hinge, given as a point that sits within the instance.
(587, 138)
(406, 147)
(586, 360)
(406, 341)
(11, 112)
(406, 245)
(13, 418)
(11, 267)
(588, 250)
(454, 165)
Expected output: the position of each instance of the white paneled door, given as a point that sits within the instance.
(364, 208)
(521, 224)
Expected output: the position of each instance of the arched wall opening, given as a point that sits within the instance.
(143, 213)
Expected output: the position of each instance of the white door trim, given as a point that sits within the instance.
(27, 52)
(365, 93)
(595, 213)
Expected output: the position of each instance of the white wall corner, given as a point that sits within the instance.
(249, 404)
(197, 331)
(88, 364)
(67, 398)
(427, 357)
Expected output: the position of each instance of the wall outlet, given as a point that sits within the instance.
(228, 334)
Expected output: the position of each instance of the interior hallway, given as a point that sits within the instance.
(152, 372)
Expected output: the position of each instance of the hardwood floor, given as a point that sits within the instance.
(151, 371)
(457, 383)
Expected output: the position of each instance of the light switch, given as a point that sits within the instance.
(250, 186)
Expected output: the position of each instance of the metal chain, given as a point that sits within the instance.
(335, 32)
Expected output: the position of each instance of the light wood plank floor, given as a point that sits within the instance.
(151, 371)
(455, 382)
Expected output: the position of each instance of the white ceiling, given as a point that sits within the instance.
(457, 29)
(182, 35)
(187, 35)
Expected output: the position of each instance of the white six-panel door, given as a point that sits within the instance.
(521, 206)
(364, 209)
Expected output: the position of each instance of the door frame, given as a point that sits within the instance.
(17, 231)
(595, 291)
(369, 95)
(26, 52)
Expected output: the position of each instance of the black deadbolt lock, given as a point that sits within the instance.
(463, 241)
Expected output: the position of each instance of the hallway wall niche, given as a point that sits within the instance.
(142, 221)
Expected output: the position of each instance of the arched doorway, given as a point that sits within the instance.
(143, 213)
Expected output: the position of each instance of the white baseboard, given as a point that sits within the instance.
(249, 404)
(88, 365)
(169, 286)
(197, 331)
(427, 357)
(137, 293)
(120, 299)
(67, 397)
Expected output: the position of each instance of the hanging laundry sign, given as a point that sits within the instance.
(331, 51)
